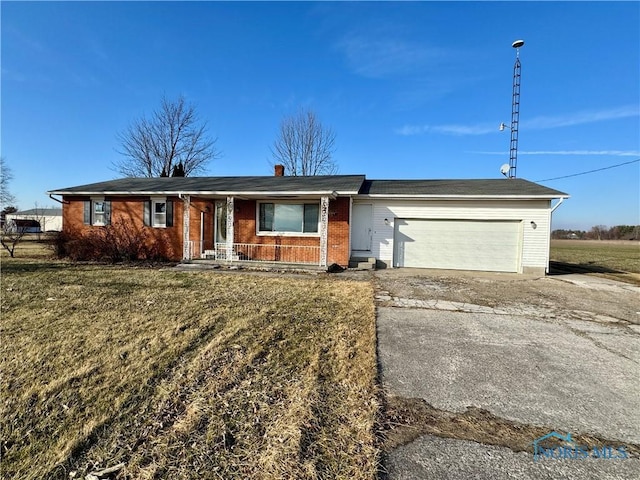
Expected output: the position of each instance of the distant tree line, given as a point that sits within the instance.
(600, 232)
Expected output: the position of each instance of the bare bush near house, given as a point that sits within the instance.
(304, 146)
(172, 142)
(118, 242)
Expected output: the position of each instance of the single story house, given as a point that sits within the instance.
(36, 220)
(494, 225)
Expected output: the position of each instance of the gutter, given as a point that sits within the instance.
(458, 197)
(332, 194)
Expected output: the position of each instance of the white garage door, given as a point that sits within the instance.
(457, 244)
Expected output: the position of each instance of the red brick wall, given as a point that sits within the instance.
(132, 209)
(244, 226)
(338, 235)
(198, 206)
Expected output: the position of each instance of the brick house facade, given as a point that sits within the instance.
(181, 236)
(495, 224)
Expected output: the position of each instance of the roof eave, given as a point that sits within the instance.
(246, 194)
(463, 197)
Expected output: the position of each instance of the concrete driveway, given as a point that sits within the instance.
(538, 354)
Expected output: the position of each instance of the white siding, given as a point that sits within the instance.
(47, 222)
(535, 241)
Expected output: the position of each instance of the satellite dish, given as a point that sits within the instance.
(517, 43)
(504, 169)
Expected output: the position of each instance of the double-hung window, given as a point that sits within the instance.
(288, 217)
(97, 212)
(158, 212)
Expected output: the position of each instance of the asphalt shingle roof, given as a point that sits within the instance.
(489, 187)
(342, 184)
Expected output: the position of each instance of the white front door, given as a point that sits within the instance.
(362, 227)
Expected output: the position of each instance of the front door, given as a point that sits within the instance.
(362, 227)
(220, 226)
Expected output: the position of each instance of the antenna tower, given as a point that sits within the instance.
(515, 111)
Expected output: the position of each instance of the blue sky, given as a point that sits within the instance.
(412, 90)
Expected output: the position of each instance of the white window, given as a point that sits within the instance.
(97, 212)
(158, 212)
(288, 217)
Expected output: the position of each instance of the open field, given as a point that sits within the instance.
(618, 259)
(184, 374)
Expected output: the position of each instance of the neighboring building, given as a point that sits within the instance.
(36, 220)
(494, 225)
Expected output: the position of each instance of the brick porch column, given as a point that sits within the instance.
(186, 217)
(229, 246)
(324, 230)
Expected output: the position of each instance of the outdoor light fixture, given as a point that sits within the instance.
(533, 225)
(386, 221)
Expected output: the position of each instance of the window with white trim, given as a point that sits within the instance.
(158, 213)
(97, 212)
(288, 217)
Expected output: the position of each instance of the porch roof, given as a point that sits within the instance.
(223, 186)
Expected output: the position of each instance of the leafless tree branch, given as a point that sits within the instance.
(174, 135)
(6, 175)
(304, 146)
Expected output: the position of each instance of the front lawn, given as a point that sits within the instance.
(185, 375)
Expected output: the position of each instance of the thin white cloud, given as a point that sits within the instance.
(383, 57)
(536, 123)
(579, 118)
(479, 129)
(608, 153)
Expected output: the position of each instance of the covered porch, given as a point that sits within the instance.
(275, 228)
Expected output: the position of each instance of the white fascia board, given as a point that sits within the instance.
(461, 197)
(245, 194)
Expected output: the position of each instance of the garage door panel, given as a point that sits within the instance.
(458, 244)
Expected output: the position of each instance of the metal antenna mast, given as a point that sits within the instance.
(515, 111)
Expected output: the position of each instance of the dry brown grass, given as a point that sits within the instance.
(617, 259)
(184, 375)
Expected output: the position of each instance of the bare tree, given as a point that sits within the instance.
(304, 146)
(12, 234)
(599, 232)
(172, 140)
(6, 175)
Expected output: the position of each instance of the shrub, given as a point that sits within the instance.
(118, 242)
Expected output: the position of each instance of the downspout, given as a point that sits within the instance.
(553, 209)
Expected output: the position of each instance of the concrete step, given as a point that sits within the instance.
(363, 259)
(366, 266)
(362, 263)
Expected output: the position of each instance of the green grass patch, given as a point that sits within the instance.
(614, 259)
(184, 375)
(622, 256)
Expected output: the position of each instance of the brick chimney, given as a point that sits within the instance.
(278, 170)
